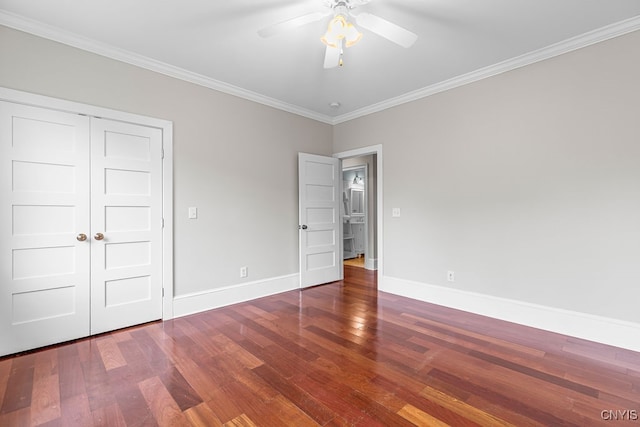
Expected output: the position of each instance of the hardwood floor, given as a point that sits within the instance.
(355, 262)
(334, 355)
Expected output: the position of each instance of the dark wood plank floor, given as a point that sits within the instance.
(334, 355)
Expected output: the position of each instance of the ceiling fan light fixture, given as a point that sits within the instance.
(340, 29)
(352, 35)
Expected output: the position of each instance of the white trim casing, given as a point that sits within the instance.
(574, 43)
(600, 329)
(167, 222)
(365, 151)
(197, 302)
(56, 34)
(71, 39)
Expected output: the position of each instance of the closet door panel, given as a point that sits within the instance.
(44, 188)
(126, 200)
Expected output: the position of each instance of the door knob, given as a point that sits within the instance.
(81, 237)
(99, 236)
(302, 227)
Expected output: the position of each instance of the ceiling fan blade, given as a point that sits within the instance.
(386, 29)
(331, 57)
(290, 24)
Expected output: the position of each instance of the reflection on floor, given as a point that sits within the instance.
(355, 262)
(340, 354)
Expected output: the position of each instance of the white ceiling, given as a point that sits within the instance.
(214, 43)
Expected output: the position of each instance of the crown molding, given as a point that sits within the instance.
(569, 45)
(58, 35)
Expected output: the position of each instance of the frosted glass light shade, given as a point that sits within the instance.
(340, 29)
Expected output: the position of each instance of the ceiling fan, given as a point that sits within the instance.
(341, 32)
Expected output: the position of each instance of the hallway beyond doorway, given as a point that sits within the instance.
(355, 262)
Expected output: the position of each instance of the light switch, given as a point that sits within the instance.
(395, 212)
(193, 213)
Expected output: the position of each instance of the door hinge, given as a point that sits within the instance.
(162, 292)
(162, 222)
(163, 153)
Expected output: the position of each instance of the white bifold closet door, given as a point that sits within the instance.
(80, 226)
(126, 209)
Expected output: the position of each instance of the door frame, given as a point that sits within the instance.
(365, 151)
(166, 127)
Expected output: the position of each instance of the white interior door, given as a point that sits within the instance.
(319, 214)
(126, 225)
(44, 188)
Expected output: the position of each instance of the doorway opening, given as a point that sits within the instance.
(362, 208)
(358, 231)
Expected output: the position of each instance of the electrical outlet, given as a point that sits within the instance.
(395, 212)
(450, 276)
(244, 272)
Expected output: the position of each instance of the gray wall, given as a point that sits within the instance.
(527, 184)
(233, 159)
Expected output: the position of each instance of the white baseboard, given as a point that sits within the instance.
(201, 301)
(618, 333)
(371, 264)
